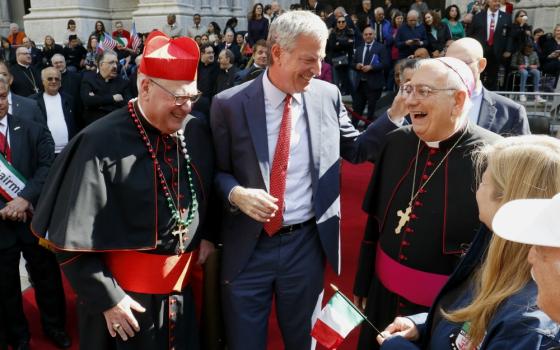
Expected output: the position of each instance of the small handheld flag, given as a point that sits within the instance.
(135, 38)
(108, 42)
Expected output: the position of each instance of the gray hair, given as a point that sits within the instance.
(57, 55)
(408, 63)
(4, 80)
(46, 70)
(341, 10)
(379, 9)
(413, 13)
(229, 55)
(285, 29)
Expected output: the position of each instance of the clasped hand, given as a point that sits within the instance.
(15, 210)
(254, 202)
(401, 326)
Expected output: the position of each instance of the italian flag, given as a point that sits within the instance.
(335, 321)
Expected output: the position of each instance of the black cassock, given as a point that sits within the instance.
(400, 274)
(103, 196)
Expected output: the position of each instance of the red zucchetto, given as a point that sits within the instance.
(170, 59)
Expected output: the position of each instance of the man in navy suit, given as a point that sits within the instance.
(489, 110)
(492, 30)
(28, 147)
(278, 143)
(369, 61)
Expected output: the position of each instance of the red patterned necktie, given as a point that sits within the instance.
(5, 147)
(280, 167)
(492, 30)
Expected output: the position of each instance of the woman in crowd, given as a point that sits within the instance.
(551, 53)
(340, 47)
(92, 53)
(213, 33)
(452, 18)
(49, 49)
(257, 28)
(490, 300)
(397, 19)
(437, 33)
(7, 53)
(70, 30)
(526, 62)
(99, 31)
(244, 49)
(521, 31)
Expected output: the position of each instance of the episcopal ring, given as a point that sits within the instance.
(116, 326)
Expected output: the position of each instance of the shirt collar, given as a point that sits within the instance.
(490, 13)
(476, 92)
(275, 95)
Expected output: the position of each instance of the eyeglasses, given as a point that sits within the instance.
(420, 91)
(52, 78)
(180, 99)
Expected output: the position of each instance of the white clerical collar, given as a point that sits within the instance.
(274, 94)
(435, 144)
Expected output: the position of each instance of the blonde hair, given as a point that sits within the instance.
(519, 167)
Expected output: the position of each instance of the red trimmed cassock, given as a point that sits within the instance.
(401, 274)
(106, 213)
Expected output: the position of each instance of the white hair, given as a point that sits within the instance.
(58, 55)
(379, 9)
(285, 29)
(412, 13)
(341, 9)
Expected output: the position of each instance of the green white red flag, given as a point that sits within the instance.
(336, 320)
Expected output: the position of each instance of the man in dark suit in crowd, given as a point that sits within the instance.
(227, 71)
(260, 60)
(283, 218)
(57, 109)
(231, 45)
(369, 61)
(315, 7)
(410, 36)
(364, 14)
(70, 84)
(492, 30)
(27, 80)
(105, 91)
(489, 110)
(28, 148)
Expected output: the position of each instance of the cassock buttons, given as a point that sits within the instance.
(425, 177)
(417, 204)
(433, 151)
(403, 257)
(429, 163)
(405, 243)
(408, 230)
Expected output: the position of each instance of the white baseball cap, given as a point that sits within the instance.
(530, 221)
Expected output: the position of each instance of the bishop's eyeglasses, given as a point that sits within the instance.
(420, 91)
(180, 99)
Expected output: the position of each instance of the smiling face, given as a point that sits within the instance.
(296, 68)
(159, 105)
(437, 116)
(428, 19)
(51, 80)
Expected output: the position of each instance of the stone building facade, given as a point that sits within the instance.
(51, 16)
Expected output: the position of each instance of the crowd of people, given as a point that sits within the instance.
(133, 165)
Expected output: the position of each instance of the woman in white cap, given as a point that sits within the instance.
(490, 300)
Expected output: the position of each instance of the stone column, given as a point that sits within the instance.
(205, 8)
(152, 14)
(4, 18)
(224, 7)
(542, 14)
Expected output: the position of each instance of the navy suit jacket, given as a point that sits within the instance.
(26, 108)
(380, 61)
(238, 121)
(67, 109)
(32, 149)
(502, 38)
(502, 115)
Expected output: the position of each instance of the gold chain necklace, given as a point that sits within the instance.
(404, 216)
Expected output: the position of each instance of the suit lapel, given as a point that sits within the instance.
(255, 115)
(487, 111)
(15, 140)
(314, 115)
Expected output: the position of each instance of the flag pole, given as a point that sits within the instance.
(335, 288)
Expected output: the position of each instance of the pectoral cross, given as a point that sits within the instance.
(179, 231)
(404, 217)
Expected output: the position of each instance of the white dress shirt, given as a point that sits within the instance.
(10, 102)
(298, 197)
(488, 20)
(55, 121)
(476, 102)
(4, 127)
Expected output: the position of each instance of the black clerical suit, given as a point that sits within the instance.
(370, 84)
(27, 80)
(32, 152)
(97, 95)
(70, 84)
(114, 204)
(400, 273)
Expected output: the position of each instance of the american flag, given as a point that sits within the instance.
(134, 37)
(108, 42)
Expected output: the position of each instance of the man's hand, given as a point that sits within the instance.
(120, 319)
(256, 203)
(206, 248)
(398, 108)
(409, 42)
(359, 66)
(507, 54)
(401, 326)
(360, 302)
(15, 210)
(117, 97)
(367, 68)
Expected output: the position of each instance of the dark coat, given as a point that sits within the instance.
(26, 80)
(97, 96)
(67, 109)
(379, 62)
(502, 33)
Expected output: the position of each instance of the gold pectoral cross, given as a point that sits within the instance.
(404, 218)
(179, 231)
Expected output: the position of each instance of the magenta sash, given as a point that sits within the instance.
(415, 286)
